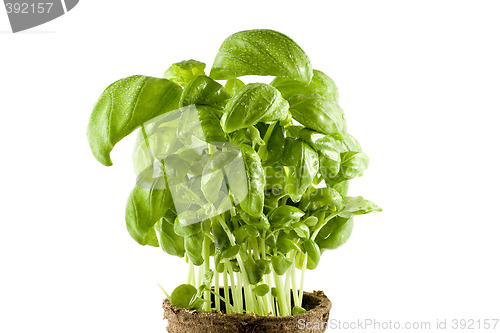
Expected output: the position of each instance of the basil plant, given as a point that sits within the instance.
(247, 182)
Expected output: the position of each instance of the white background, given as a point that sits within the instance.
(419, 82)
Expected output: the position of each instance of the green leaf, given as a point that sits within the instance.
(170, 242)
(187, 223)
(146, 206)
(275, 180)
(194, 248)
(320, 114)
(182, 295)
(255, 102)
(256, 269)
(352, 165)
(284, 215)
(245, 231)
(124, 106)
(221, 239)
(296, 310)
(211, 182)
(260, 222)
(198, 126)
(326, 147)
(162, 142)
(303, 164)
(231, 252)
(233, 85)
(287, 241)
(320, 84)
(185, 71)
(349, 144)
(204, 91)
(251, 196)
(281, 264)
(321, 197)
(275, 145)
(313, 253)
(359, 206)
(261, 289)
(335, 233)
(261, 52)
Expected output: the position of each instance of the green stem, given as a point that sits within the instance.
(263, 149)
(206, 264)
(304, 268)
(281, 298)
(191, 275)
(294, 284)
(216, 289)
(146, 140)
(249, 299)
(325, 221)
(220, 298)
(226, 289)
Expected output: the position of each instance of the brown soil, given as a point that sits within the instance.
(184, 321)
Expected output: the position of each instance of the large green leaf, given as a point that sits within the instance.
(124, 106)
(261, 52)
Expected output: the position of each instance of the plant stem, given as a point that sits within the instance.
(191, 276)
(226, 289)
(325, 221)
(206, 264)
(294, 284)
(304, 267)
(249, 299)
(146, 140)
(263, 149)
(216, 289)
(281, 298)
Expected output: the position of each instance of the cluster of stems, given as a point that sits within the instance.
(285, 291)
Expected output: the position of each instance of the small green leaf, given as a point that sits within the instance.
(261, 52)
(255, 102)
(199, 125)
(320, 114)
(327, 149)
(359, 206)
(284, 215)
(233, 85)
(320, 84)
(185, 71)
(248, 191)
(182, 295)
(194, 246)
(204, 91)
(261, 289)
(281, 264)
(353, 164)
(303, 165)
(231, 252)
(146, 206)
(335, 233)
(170, 242)
(296, 310)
